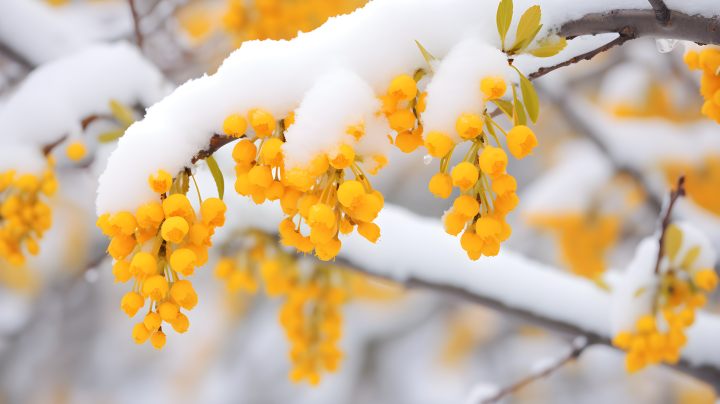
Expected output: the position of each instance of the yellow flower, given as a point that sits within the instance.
(200, 234)
(182, 260)
(465, 175)
(155, 287)
(493, 87)
(467, 206)
(131, 303)
(183, 293)
(244, 152)
(181, 323)
(521, 141)
(350, 193)
(344, 156)
(174, 229)
(150, 214)
(493, 161)
(692, 60)
(437, 144)
(178, 205)
(143, 263)
(441, 185)
(76, 150)
(121, 270)
(168, 312)
(262, 122)
(403, 88)
(402, 120)
(152, 321)
(706, 279)
(121, 246)
(370, 231)
(160, 182)
(158, 340)
(504, 185)
(469, 125)
(272, 152)
(261, 176)
(408, 141)
(140, 333)
(235, 125)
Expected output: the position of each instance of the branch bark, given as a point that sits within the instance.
(662, 13)
(216, 142)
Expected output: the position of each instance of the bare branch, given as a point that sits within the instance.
(662, 13)
(574, 354)
(136, 20)
(216, 142)
(585, 56)
(674, 195)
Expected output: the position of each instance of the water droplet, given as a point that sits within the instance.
(666, 45)
(427, 159)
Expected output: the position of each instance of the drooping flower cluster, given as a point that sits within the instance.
(311, 313)
(319, 195)
(487, 193)
(660, 338)
(709, 62)
(23, 216)
(157, 247)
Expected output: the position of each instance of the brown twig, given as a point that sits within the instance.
(662, 13)
(48, 148)
(574, 354)
(674, 195)
(216, 142)
(585, 56)
(136, 20)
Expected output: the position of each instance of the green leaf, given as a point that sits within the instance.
(529, 39)
(522, 118)
(672, 241)
(217, 175)
(428, 57)
(529, 23)
(122, 113)
(181, 185)
(504, 19)
(549, 46)
(690, 257)
(530, 97)
(504, 105)
(419, 74)
(111, 135)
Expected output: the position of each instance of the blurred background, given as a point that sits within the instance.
(615, 133)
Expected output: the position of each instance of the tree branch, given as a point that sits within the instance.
(662, 13)
(136, 20)
(585, 56)
(216, 142)
(578, 348)
(674, 195)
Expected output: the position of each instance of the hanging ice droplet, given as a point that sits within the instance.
(427, 159)
(666, 45)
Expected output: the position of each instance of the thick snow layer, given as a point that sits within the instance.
(54, 99)
(42, 33)
(634, 293)
(376, 43)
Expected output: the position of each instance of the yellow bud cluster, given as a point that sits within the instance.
(23, 216)
(709, 62)
(319, 194)
(158, 246)
(479, 175)
(310, 314)
(679, 296)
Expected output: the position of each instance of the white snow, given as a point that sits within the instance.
(634, 294)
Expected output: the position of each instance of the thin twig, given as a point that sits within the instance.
(674, 195)
(662, 13)
(574, 354)
(585, 56)
(216, 142)
(136, 20)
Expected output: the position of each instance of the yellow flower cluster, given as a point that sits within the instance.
(480, 174)
(679, 296)
(157, 247)
(23, 216)
(709, 62)
(281, 19)
(311, 313)
(319, 194)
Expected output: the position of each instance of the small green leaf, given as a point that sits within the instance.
(522, 118)
(519, 117)
(504, 105)
(122, 113)
(529, 39)
(428, 57)
(217, 175)
(181, 185)
(530, 97)
(549, 46)
(672, 240)
(419, 74)
(111, 135)
(528, 24)
(504, 19)
(690, 257)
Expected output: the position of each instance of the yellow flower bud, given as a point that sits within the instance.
(181, 323)
(709, 60)
(290, 120)
(350, 193)
(346, 227)
(32, 246)
(140, 333)
(143, 263)
(469, 125)
(178, 205)
(622, 340)
(402, 120)
(343, 157)
(471, 242)
(152, 321)
(155, 287)
(408, 141)
(200, 252)
(467, 205)
(493, 161)
(144, 234)
(706, 279)
(306, 202)
(260, 176)
(356, 131)
(441, 185)
(121, 246)
(488, 228)
(504, 185)
(226, 266)
(262, 122)
(465, 175)
(646, 324)
(243, 186)
(454, 222)
(369, 207)
(692, 60)
(490, 248)
(174, 229)
(521, 141)
(121, 270)
(493, 87)
(289, 201)
(235, 125)
(275, 191)
(200, 234)
(421, 103)
(158, 340)
(329, 250)
(131, 303)
(438, 144)
(272, 152)
(213, 212)
(168, 312)
(507, 203)
(182, 260)
(321, 214)
(403, 88)
(150, 214)
(244, 152)
(320, 234)
(160, 182)
(123, 223)
(370, 231)
(183, 293)
(28, 183)
(76, 150)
